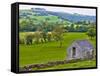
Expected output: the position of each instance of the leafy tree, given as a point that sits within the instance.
(72, 29)
(23, 24)
(58, 34)
(77, 28)
(44, 30)
(37, 36)
(26, 24)
(82, 28)
(29, 38)
(49, 36)
(91, 32)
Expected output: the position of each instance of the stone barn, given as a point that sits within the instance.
(80, 49)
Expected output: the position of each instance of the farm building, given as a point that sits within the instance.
(80, 49)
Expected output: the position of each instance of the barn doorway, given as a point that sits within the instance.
(73, 52)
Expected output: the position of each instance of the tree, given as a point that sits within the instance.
(44, 31)
(26, 24)
(58, 34)
(29, 38)
(49, 36)
(37, 36)
(71, 28)
(91, 32)
(23, 24)
(77, 28)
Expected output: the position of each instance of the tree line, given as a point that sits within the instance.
(32, 24)
(45, 31)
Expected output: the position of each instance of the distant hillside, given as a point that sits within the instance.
(66, 16)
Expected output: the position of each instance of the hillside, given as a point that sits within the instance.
(63, 15)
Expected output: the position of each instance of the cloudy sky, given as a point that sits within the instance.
(84, 11)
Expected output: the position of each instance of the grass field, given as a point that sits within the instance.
(49, 51)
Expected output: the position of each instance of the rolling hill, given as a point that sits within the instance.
(63, 15)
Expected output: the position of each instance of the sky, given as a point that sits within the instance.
(83, 11)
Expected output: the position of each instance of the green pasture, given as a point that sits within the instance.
(50, 51)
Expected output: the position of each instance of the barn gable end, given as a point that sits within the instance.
(80, 49)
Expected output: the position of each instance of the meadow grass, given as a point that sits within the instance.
(50, 51)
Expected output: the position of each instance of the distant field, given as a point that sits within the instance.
(45, 52)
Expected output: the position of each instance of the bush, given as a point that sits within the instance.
(29, 38)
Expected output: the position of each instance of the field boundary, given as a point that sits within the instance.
(49, 64)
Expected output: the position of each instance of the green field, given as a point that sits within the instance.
(49, 51)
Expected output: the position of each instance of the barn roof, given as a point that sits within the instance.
(84, 44)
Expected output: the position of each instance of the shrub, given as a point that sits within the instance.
(29, 38)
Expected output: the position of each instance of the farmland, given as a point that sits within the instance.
(45, 35)
(49, 51)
